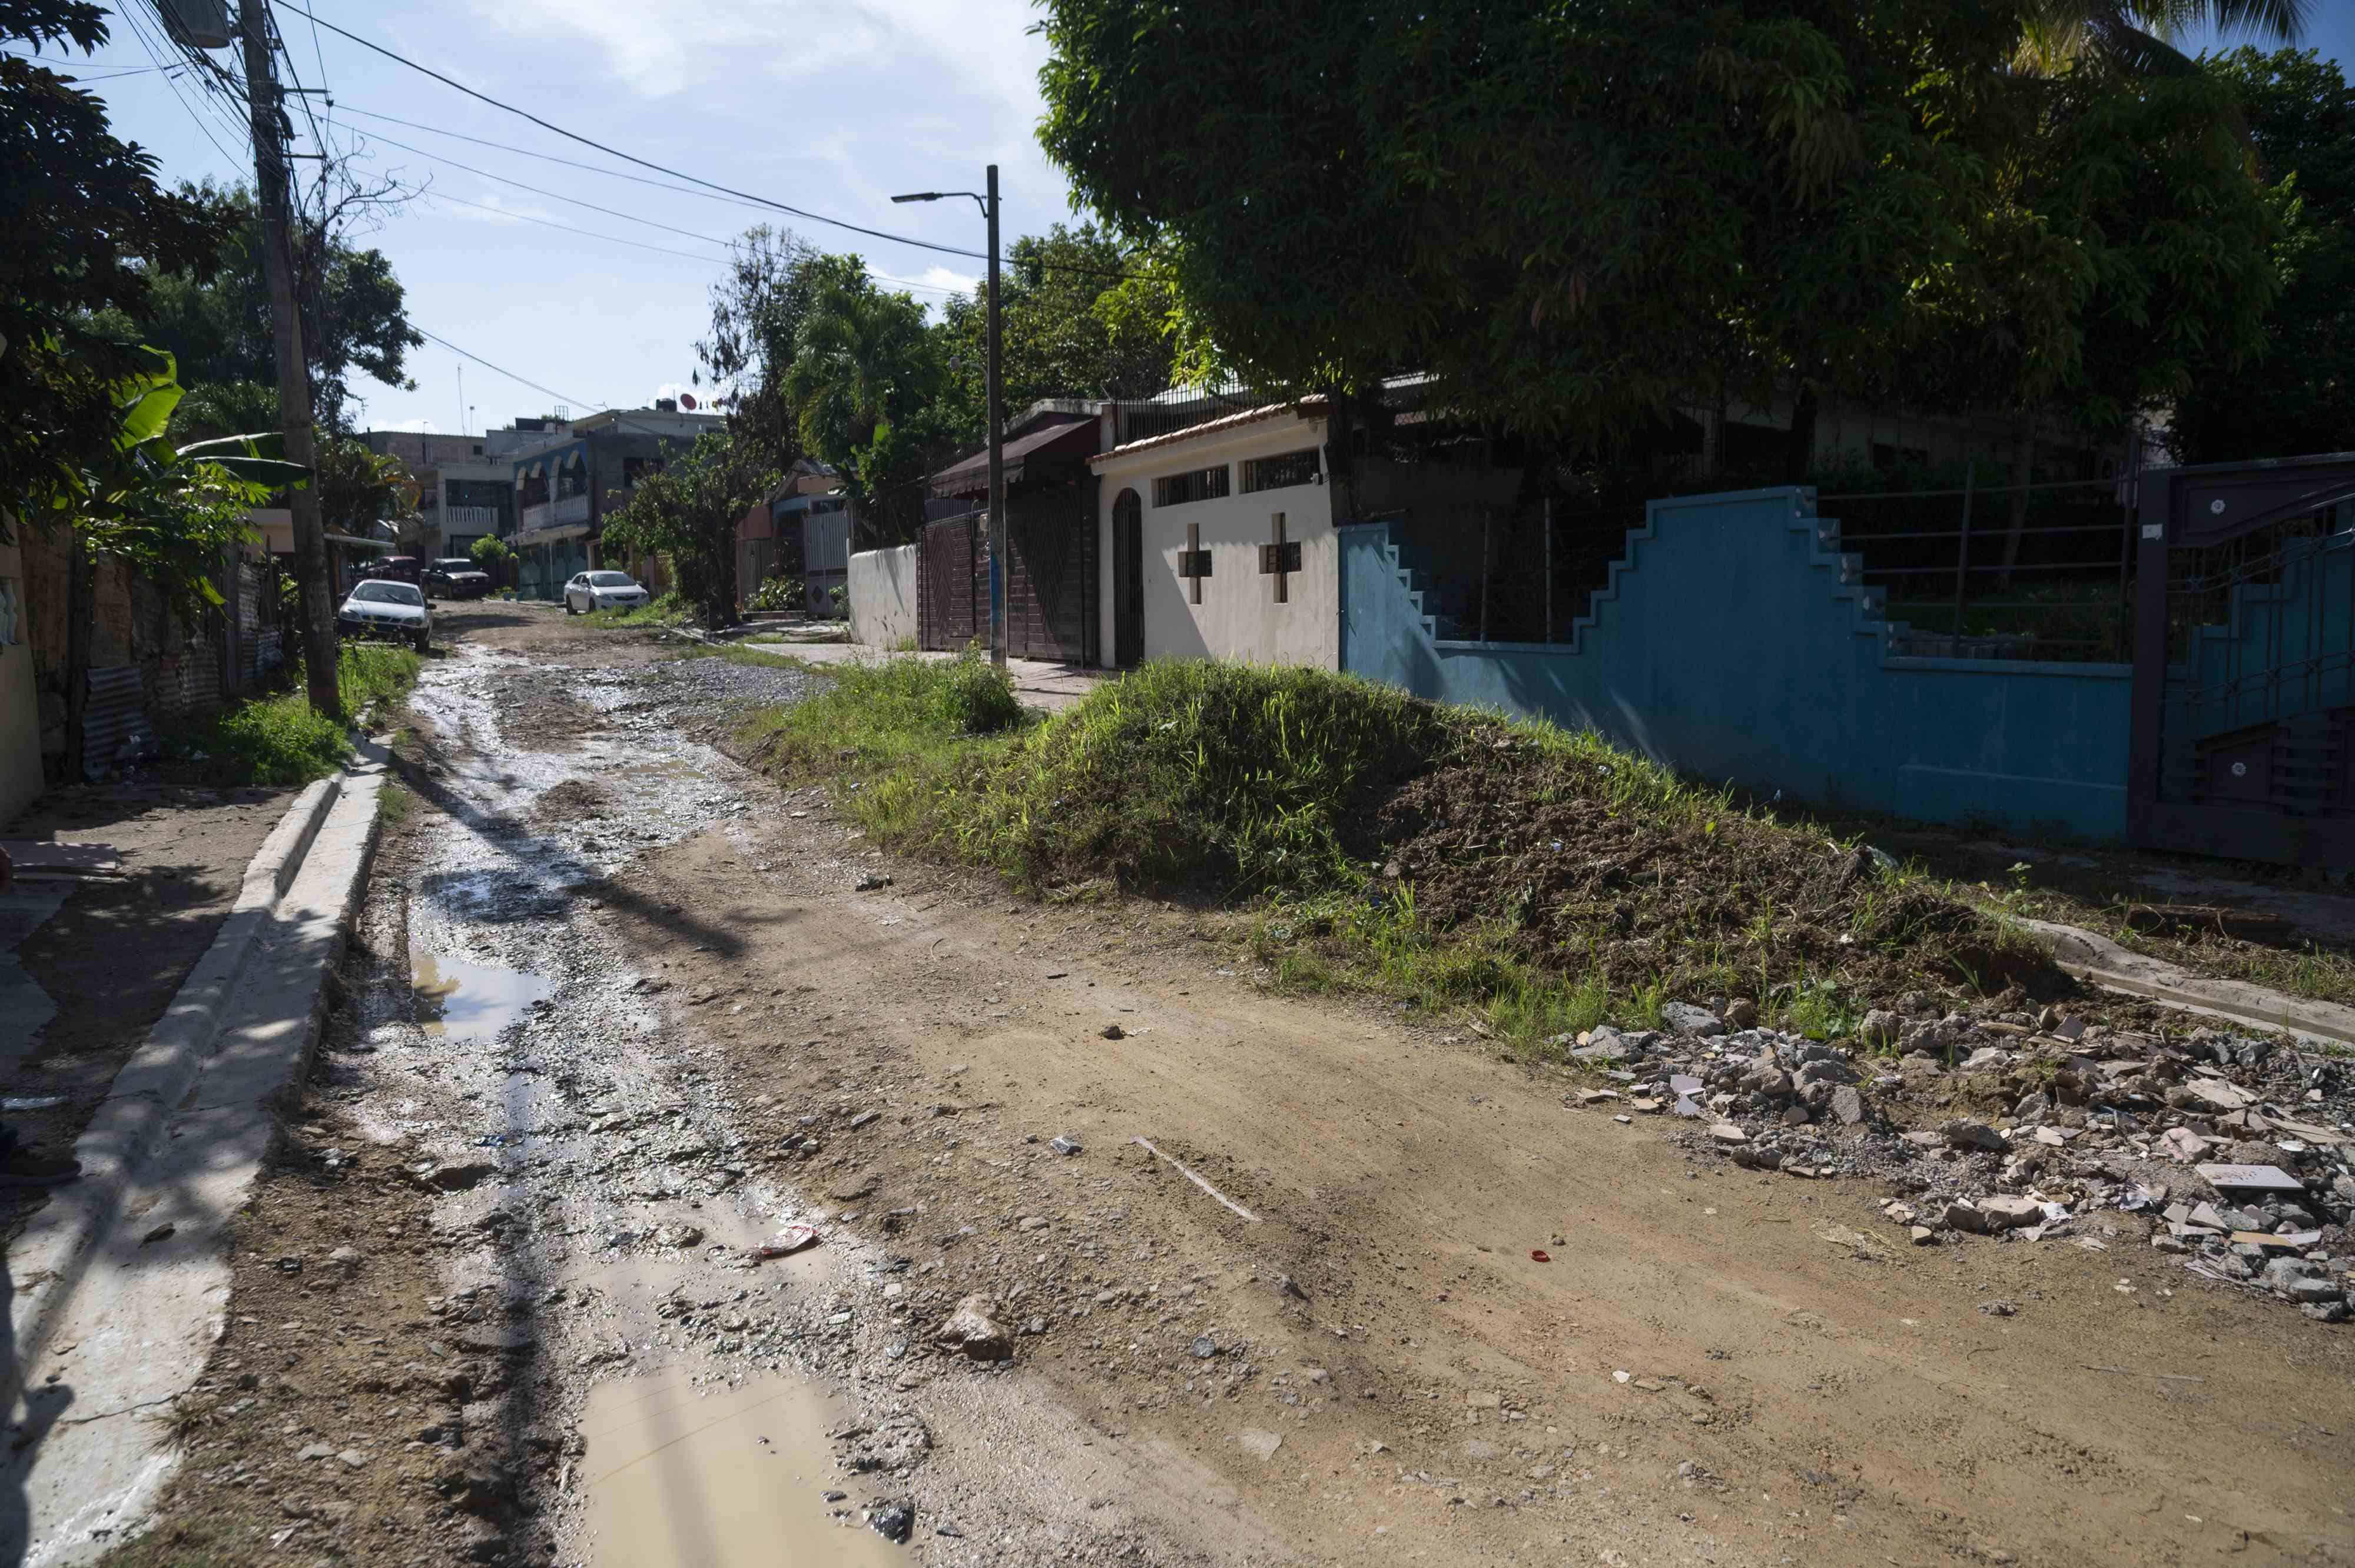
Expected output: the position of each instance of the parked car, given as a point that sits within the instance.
(457, 576)
(399, 569)
(395, 611)
(603, 590)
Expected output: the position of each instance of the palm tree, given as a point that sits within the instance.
(861, 362)
(2139, 36)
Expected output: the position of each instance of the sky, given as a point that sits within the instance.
(827, 105)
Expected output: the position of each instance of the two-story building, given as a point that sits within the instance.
(577, 473)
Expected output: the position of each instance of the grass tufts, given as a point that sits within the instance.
(278, 739)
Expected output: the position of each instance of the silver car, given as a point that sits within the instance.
(396, 611)
(603, 590)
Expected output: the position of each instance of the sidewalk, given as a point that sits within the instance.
(1039, 683)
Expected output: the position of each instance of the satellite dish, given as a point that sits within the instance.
(686, 401)
(199, 24)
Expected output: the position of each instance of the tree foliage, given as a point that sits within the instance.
(2299, 396)
(355, 310)
(689, 511)
(1576, 215)
(757, 313)
(865, 386)
(86, 228)
(1083, 316)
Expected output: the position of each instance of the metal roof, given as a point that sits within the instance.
(1315, 400)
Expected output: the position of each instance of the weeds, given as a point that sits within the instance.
(1439, 857)
(670, 609)
(278, 739)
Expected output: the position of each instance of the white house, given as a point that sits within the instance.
(1218, 540)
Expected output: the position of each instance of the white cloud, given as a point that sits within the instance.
(944, 278)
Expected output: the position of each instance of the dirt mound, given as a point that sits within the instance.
(572, 800)
(1597, 868)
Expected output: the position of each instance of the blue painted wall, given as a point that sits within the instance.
(1734, 643)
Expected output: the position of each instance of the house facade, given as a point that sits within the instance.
(1217, 541)
(577, 473)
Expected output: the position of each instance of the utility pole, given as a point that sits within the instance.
(1001, 580)
(318, 617)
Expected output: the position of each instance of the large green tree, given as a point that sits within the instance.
(1574, 215)
(1083, 316)
(866, 385)
(757, 311)
(354, 311)
(2299, 396)
(689, 512)
(86, 229)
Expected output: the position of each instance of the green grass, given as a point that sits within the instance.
(667, 610)
(278, 739)
(1259, 789)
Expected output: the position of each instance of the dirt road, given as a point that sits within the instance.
(628, 1010)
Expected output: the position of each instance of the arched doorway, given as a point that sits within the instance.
(1127, 580)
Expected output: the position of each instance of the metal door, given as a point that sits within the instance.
(2244, 662)
(1128, 579)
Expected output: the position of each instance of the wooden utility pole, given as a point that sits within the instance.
(318, 615)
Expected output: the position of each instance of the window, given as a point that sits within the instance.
(1887, 456)
(635, 469)
(1201, 484)
(1280, 472)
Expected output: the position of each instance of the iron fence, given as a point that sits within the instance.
(2037, 571)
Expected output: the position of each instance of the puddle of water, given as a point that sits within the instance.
(684, 1478)
(460, 999)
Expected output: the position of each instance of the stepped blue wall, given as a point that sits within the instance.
(1735, 643)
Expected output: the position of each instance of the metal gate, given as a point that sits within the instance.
(2244, 662)
(951, 585)
(1051, 599)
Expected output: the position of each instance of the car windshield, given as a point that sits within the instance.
(456, 564)
(610, 579)
(387, 593)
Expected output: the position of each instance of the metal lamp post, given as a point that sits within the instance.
(997, 546)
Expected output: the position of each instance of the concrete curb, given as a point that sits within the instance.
(131, 1262)
(2105, 963)
(129, 1124)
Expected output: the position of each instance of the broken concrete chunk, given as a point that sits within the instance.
(2250, 1179)
(1726, 1133)
(974, 1328)
(2008, 1213)
(1975, 1135)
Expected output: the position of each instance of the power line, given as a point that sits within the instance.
(537, 190)
(501, 370)
(550, 157)
(628, 157)
(610, 212)
(747, 197)
(590, 233)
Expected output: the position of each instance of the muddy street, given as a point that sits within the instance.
(623, 1014)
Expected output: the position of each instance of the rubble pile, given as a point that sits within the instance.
(2235, 1152)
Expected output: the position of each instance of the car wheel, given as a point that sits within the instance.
(567, 606)
(425, 642)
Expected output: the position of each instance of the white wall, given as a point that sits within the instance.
(1238, 618)
(883, 597)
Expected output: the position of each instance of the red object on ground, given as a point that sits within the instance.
(1541, 1256)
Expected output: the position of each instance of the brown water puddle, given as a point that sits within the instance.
(460, 999)
(681, 1476)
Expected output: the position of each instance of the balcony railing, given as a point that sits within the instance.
(532, 517)
(571, 509)
(469, 519)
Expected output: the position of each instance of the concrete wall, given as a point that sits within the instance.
(883, 597)
(20, 709)
(1734, 644)
(1238, 618)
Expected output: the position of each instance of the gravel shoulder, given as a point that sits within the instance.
(674, 1010)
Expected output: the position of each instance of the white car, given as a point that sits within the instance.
(382, 608)
(603, 590)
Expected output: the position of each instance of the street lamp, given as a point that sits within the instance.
(998, 547)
